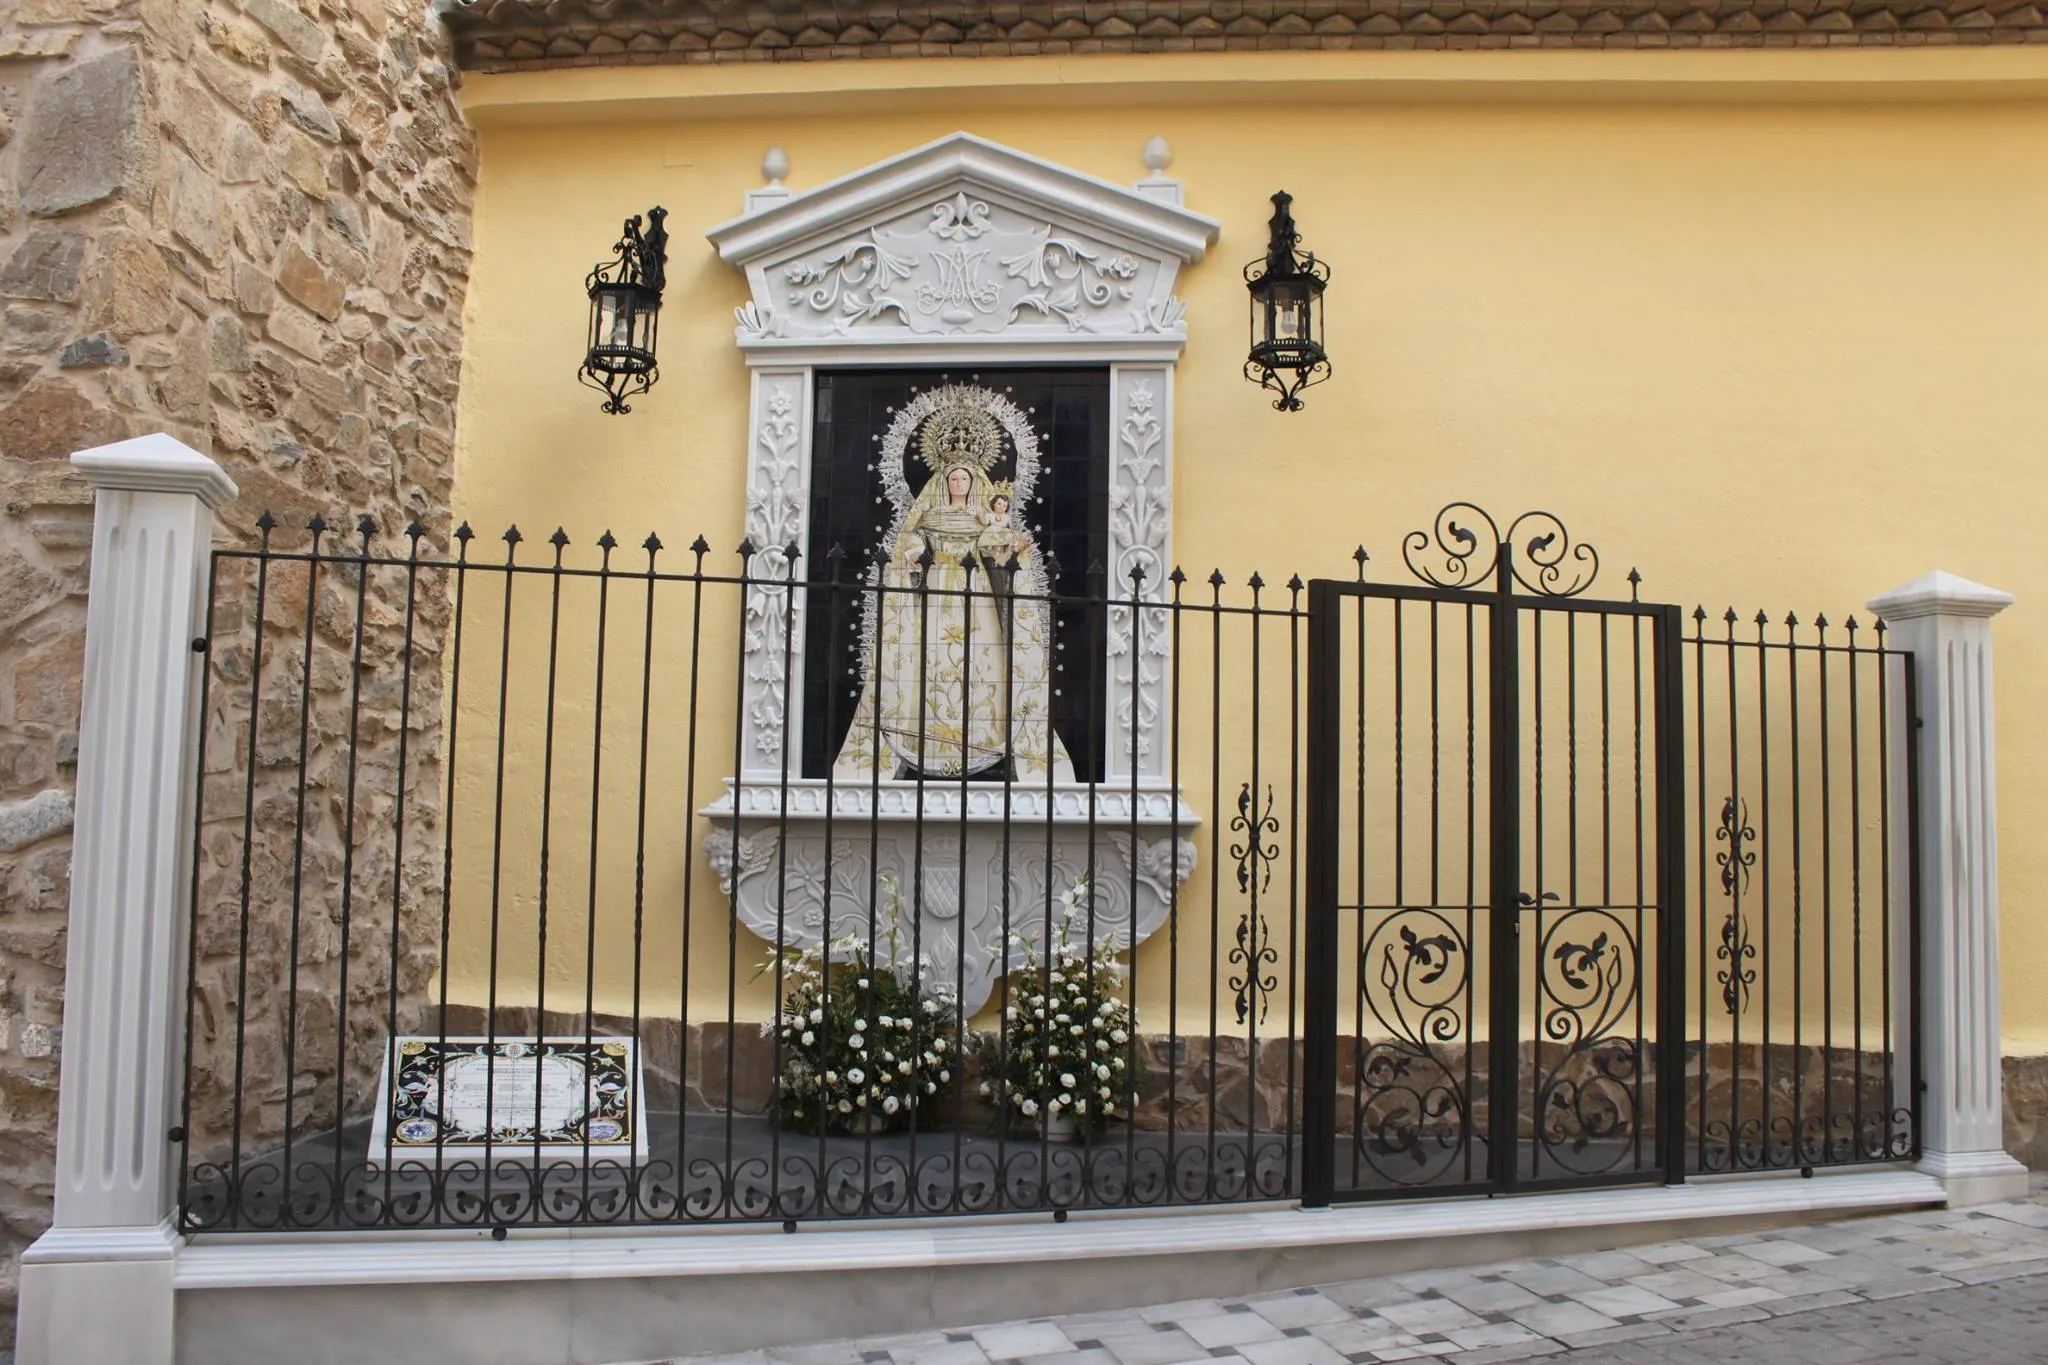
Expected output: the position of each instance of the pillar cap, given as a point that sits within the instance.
(1940, 593)
(156, 463)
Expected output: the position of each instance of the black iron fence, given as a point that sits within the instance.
(598, 884)
(1804, 937)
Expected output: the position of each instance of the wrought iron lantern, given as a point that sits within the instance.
(625, 306)
(1287, 315)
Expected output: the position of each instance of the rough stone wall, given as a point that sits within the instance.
(2026, 1110)
(246, 223)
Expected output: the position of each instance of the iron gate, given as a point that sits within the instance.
(1494, 893)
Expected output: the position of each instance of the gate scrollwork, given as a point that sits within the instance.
(1412, 1114)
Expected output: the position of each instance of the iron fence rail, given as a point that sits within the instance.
(452, 800)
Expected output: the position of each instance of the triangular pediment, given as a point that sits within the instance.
(964, 240)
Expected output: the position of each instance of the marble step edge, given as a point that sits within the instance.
(431, 1256)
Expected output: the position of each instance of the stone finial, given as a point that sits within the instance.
(774, 166)
(1157, 184)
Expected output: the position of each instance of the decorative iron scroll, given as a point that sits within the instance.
(1735, 861)
(1589, 966)
(1254, 951)
(1542, 556)
(1412, 1120)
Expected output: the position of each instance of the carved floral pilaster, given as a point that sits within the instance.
(777, 482)
(1138, 641)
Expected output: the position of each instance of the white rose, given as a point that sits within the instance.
(1030, 1108)
(856, 1041)
(945, 1075)
(1067, 1079)
(855, 1075)
(930, 1089)
(1119, 1036)
(881, 1019)
(817, 1016)
(845, 1108)
(891, 1105)
(938, 1044)
(809, 1037)
(1077, 1030)
(862, 983)
(903, 1067)
(831, 1078)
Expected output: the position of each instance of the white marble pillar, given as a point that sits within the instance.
(1945, 622)
(96, 1289)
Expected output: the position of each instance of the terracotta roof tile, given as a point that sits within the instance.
(520, 35)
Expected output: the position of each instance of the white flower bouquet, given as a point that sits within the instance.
(860, 1046)
(1067, 1048)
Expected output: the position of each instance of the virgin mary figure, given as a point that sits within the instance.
(957, 636)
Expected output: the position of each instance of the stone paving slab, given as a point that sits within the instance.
(1964, 1285)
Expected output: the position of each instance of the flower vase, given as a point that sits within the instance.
(1058, 1127)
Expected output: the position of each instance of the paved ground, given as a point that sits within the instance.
(1936, 1287)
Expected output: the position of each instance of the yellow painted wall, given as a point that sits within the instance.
(1780, 347)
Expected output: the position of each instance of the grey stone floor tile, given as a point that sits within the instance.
(1999, 1270)
(1493, 1334)
(1152, 1347)
(1668, 1253)
(1623, 1301)
(1370, 1334)
(1806, 1303)
(1560, 1319)
(1424, 1316)
(1499, 1355)
(942, 1352)
(1704, 1318)
(1545, 1280)
(1229, 1329)
(1291, 1351)
(1017, 1340)
(1607, 1265)
(1493, 1296)
(1097, 1356)
(1678, 1283)
(1298, 1310)
(1367, 1294)
(1634, 1331)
